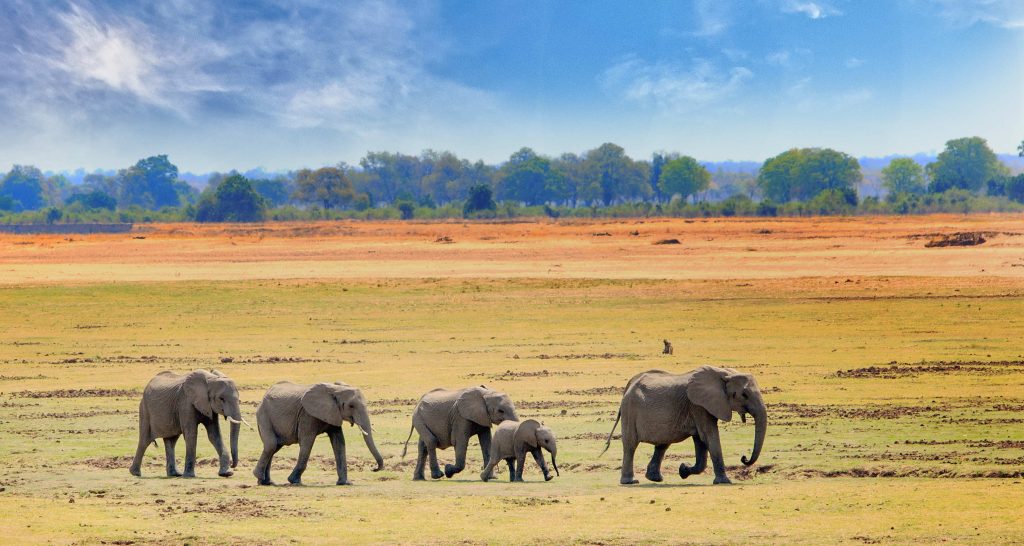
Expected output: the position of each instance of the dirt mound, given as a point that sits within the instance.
(77, 393)
(964, 238)
(668, 242)
(595, 391)
(509, 374)
(810, 411)
(896, 370)
(589, 356)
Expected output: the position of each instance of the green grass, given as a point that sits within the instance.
(397, 339)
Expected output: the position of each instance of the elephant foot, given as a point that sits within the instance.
(450, 470)
(436, 474)
(722, 479)
(174, 474)
(548, 477)
(225, 473)
(654, 476)
(135, 472)
(418, 478)
(628, 481)
(485, 476)
(295, 480)
(685, 471)
(342, 482)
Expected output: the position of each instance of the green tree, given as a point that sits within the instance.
(802, 173)
(965, 163)
(611, 175)
(683, 176)
(95, 199)
(480, 199)
(275, 191)
(389, 175)
(527, 177)
(233, 200)
(903, 175)
(151, 183)
(1015, 188)
(24, 186)
(327, 187)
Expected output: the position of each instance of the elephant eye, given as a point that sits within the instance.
(501, 411)
(744, 396)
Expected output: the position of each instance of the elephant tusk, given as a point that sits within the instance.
(234, 421)
(365, 433)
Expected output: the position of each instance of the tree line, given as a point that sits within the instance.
(601, 181)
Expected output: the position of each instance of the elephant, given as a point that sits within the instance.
(174, 405)
(291, 413)
(663, 408)
(512, 440)
(446, 418)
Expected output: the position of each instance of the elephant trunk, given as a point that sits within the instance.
(554, 454)
(760, 428)
(363, 422)
(235, 427)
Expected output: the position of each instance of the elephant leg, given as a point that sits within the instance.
(262, 470)
(461, 444)
(629, 443)
(654, 467)
(485, 444)
(714, 446)
(538, 456)
(488, 471)
(338, 443)
(511, 468)
(213, 434)
(305, 448)
(421, 460)
(520, 463)
(701, 449)
(191, 434)
(172, 467)
(144, 439)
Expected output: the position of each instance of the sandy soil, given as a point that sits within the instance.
(707, 249)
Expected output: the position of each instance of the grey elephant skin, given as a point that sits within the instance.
(291, 413)
(449, 418)
(175, 405)
(513, 440)
(663, 408)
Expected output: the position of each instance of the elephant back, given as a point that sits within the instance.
(433, 415)
(502, 441)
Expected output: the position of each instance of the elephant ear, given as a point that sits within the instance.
(526, 433)
(471, 405)
(198, 391)
(319, 402)
(707, 390)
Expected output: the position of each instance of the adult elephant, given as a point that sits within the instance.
(663, 408)
(445, 418)
(291, 413)
(175, 405)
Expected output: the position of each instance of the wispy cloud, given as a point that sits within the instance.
(818, 9)
(1000, 13)
(671, 87)
(713, 16)
(854, 62)
(347, 67)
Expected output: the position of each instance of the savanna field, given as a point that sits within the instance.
(893, 373)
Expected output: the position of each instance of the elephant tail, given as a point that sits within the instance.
(608, 443)
(406, 446)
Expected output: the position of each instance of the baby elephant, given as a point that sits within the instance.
(512, 440)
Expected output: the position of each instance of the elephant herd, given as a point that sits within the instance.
(657, 407)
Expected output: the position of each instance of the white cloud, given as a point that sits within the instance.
(713, 16)
(673, 88)
(1000, 13)
(854, 62)
(814, 10)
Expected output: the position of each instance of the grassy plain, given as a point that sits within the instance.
(894, 375)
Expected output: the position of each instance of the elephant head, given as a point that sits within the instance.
(722, 391)
(338, 403)
(213, 393)
(486, 407)
(537, 434)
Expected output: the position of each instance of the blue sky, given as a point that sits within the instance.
(283, 85)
